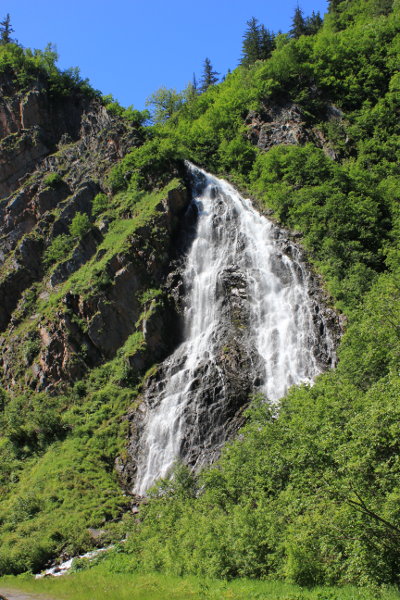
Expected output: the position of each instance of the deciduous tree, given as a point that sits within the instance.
(165, 103)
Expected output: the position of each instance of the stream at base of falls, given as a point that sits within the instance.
(252, 324)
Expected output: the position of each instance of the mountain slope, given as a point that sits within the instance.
(80, 278)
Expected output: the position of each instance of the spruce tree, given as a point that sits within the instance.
(313, 24)
(333, 4)
(209, 76)
(5, 31)
(267, 42)
(251, 43)
(298, 24)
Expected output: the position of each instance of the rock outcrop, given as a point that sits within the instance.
(287, 125)
(88, 328)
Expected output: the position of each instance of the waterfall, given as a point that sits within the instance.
(250, 325)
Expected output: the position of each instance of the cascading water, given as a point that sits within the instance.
(250, 325)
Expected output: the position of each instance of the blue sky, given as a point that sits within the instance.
(131, 48)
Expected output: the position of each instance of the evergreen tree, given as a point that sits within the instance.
(313, 24)
(209, 76)
(251, 43)
(258, 43)
(5, 31)
(267, 42)
(298, 24)
(333, 4)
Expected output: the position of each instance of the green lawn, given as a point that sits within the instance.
(99, 583)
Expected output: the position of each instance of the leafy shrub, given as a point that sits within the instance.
(148, 166)
(59, 248)
(80, 225)
(52, 180)
(136, 117)
(26, 66)
(31, 349)
(100, 204)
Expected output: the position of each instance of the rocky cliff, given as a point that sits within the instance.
(255, 322)
(55, 155)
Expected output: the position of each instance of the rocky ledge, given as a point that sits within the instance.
(287, 125)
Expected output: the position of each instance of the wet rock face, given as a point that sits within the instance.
(325, 319)
(219, 391)
(224, 387)
(254, 320)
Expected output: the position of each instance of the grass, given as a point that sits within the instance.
(99, 582)
(71, 484)
(59, 495)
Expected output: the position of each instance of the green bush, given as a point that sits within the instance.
(59, 248)
(52, 180)
(26, 66)
(135, 117)
(100, 204)
(80, 225)
(147, 167)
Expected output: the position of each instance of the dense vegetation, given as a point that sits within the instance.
(312, 496)
(26, 67)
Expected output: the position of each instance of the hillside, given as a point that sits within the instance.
(80, 278)
(91, 248)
